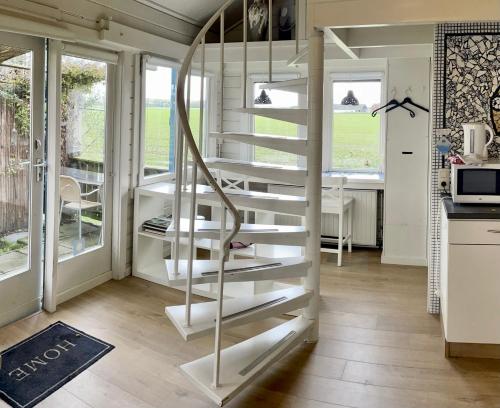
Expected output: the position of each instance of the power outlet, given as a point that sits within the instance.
(444, 179)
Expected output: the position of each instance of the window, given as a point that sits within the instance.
(159, 119)
(83, 155)
(195, 109)
(278, 99)
(356, 135)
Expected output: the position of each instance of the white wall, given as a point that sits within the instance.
(87, 13)
(406, 175)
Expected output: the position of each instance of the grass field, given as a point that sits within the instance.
(355, 145)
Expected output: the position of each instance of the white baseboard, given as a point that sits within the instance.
(19, 312)
(401, 260)
(83, 287)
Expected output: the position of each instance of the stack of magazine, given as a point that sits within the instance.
(157, 225)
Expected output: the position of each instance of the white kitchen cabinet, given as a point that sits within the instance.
(470, 280)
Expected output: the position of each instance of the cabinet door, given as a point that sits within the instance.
(474, 294)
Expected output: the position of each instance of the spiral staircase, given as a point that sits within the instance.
(226, 372)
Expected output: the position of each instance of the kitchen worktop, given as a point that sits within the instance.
(456, 211)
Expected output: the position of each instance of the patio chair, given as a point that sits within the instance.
(73, 199)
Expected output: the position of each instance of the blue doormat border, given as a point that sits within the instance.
(102, 348)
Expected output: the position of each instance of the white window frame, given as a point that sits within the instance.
(259, 78)
(163, 62)
(328, 117)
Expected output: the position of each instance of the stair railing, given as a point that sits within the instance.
(183, 108)
(199, 164)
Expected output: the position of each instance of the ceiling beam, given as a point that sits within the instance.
(365, 13)
(337, 38)
(389, 36)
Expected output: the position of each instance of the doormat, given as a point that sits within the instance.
(35, 368)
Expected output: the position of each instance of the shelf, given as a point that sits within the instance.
(153, 235)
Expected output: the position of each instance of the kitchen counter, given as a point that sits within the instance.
(469, 279)
(470, 211)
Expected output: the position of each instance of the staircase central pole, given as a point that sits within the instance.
(314, 173)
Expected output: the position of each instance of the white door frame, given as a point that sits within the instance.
(61, 280)
(21, 293)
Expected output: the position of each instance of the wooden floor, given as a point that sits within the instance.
(378, 348)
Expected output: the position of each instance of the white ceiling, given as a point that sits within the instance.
(193, 11)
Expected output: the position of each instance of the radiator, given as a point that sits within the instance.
(364, 220)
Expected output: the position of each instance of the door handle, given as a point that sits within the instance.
(39, 166)
(494, 231)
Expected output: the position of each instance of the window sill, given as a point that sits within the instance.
(157, 178)
(358, 180)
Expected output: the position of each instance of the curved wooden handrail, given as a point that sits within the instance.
(188, 134)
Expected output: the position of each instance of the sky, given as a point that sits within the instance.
(367, 93)
(158, 84)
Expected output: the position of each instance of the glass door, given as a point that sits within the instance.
(22, 62)
(85, 184)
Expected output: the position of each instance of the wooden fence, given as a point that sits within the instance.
(14, 174)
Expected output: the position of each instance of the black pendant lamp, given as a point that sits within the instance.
(350, 99)
(263, 99)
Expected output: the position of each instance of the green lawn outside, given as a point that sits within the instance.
(355, 145)
(356, 142)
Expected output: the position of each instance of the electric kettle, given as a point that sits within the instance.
(475, 144)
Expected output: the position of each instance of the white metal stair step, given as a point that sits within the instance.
(249, 233)
(237, 311)
(243, 362)
(292, 115)
(254, 200)
(243, 199)
(240, 270)
(298, 85)
(282, 143)
(285, 174)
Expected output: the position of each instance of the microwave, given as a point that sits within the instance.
(476, 183)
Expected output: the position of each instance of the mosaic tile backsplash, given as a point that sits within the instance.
(466, 75)
(472, 77)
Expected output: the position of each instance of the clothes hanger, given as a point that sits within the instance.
(393, 104)
(408, 100)
(401, 105)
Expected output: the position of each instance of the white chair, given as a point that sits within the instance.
(73, 199)
(334, 202)
(237, 183)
